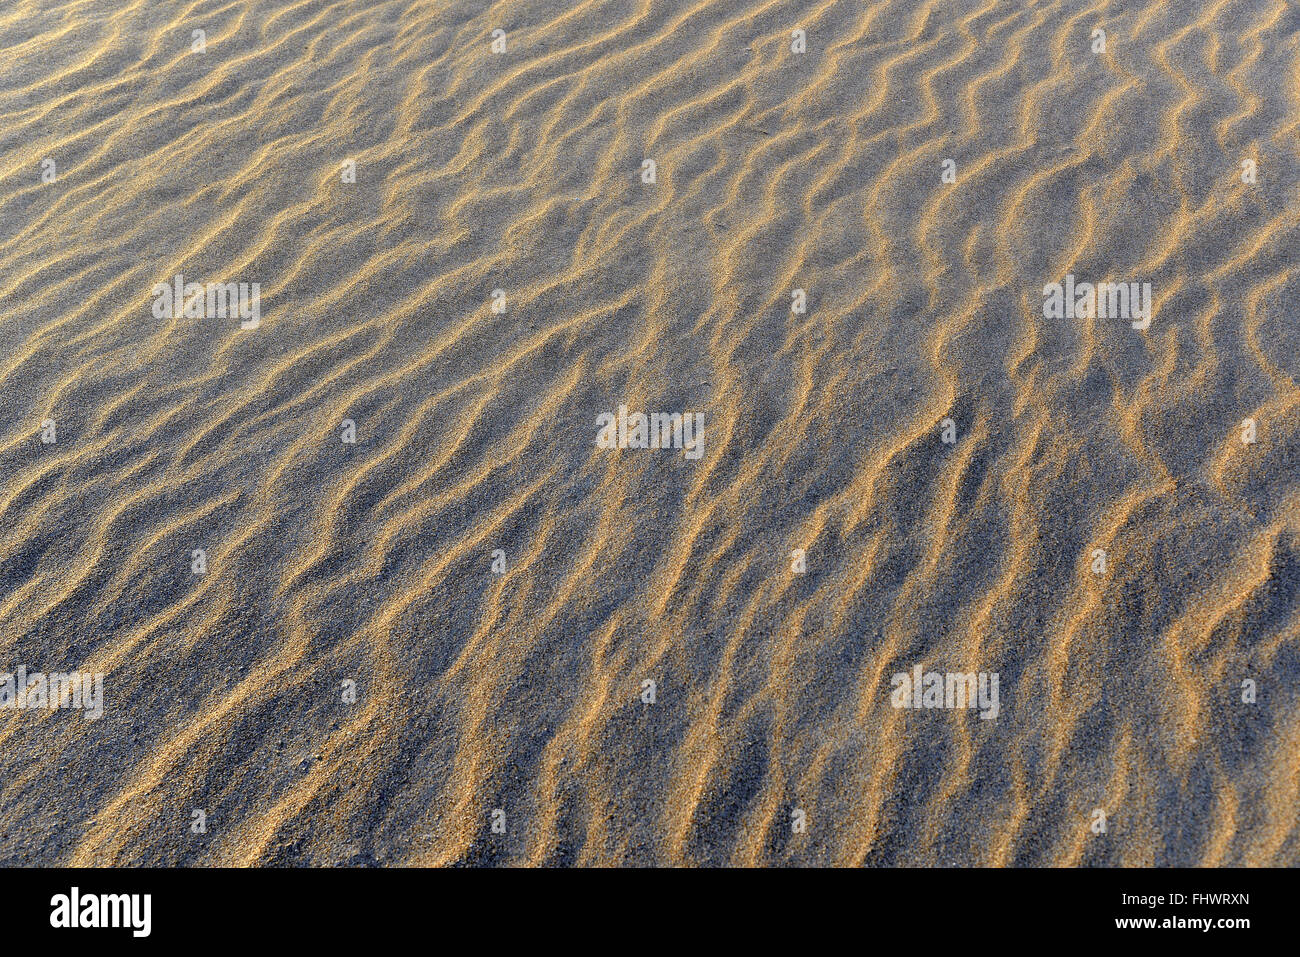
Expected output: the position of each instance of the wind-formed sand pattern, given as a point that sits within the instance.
(513, 682)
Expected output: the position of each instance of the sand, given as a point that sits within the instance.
(356, 676)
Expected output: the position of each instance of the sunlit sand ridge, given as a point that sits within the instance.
(514, 680)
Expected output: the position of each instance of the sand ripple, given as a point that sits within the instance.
(522, 171)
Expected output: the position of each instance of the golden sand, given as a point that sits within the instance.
(520, 689)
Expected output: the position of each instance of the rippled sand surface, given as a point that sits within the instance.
(522, 689)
